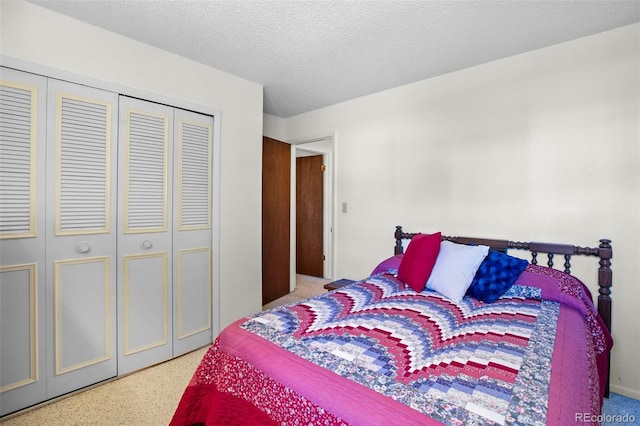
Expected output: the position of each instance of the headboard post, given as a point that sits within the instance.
(605, 253)
(397, 249)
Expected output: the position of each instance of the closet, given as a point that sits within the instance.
(105, 235)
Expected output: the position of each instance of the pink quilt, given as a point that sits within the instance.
(376, 352)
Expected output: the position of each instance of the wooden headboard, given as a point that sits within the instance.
(603, 251)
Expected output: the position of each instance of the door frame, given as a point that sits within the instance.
(321, 146)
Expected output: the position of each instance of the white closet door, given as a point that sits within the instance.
(81, 241)
(192, 236)
(144, 234)
(22, 236)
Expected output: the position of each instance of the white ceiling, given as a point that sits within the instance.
(311, 54)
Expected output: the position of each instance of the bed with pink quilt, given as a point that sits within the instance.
(449, 331)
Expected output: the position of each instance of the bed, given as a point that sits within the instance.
(416, 344)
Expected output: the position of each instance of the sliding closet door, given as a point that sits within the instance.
(22, 236)
(81, 239)
(144, 237)
(192, 236)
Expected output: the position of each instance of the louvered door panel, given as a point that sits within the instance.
(192, 237)
(84, 172)
(146, 168)
(81, 247)
(144, 236)
(195, 175)
(18, 118)
(22, 238)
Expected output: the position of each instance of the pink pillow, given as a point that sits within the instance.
(418, 261)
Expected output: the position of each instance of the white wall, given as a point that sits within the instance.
(542, 146)
(44, 39)
(274, 127)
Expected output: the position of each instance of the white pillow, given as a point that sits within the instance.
(455, 268)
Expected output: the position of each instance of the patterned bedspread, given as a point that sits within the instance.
(471, 361)
(376, 351)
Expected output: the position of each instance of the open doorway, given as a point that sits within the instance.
(312, 230)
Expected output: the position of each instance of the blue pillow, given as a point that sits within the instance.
(496, 274)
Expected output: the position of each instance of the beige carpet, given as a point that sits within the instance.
(148, 397)
(306, 286)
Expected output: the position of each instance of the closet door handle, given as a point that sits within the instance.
(146, 244)
(83, 247)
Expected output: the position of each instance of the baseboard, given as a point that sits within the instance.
(631, 393)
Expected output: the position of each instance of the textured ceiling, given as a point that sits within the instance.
(311, 54)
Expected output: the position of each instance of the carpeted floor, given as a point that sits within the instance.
(619, 410)
(306, 286)
(149, 397)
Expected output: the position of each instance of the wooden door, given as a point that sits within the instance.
(309, 216)
(144, 234)
(81, 241)
(276, 199)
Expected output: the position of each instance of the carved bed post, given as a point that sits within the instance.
(605, 253)
(605, 281)
(397, 249)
